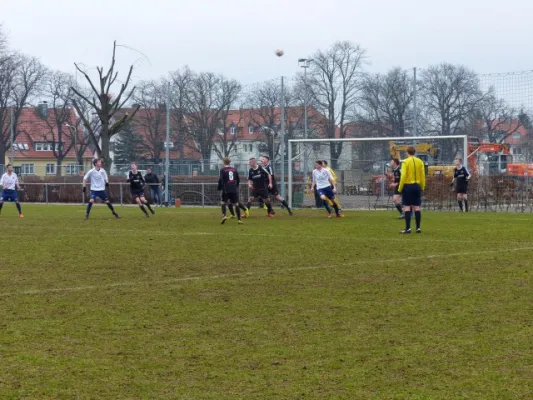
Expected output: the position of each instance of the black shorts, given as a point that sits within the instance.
(137, 193)
(231, 197)
(461, 188)
(412, 195)
(274, 191)
(261, 193)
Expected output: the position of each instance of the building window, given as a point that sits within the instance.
(249, 148)
(20, 146)
(516, 136)
(72, 169)
(50, 169)
(27, 169)
(47, 146)
(517, 151)
(233, 130)
(251, 129)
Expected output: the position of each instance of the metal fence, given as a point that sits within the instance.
(355, 191)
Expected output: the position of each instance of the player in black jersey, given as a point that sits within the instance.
(136, 181)
(228, 183)
(461, 176)
(273, 191)
(259, 181)
(396, 175)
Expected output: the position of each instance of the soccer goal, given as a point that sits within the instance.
(363, 169)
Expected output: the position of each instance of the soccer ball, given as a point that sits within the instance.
(279, 52)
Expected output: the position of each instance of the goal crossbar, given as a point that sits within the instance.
(370, 139)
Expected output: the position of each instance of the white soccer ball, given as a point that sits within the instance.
(279, 52)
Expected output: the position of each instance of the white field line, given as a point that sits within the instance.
(254, 273)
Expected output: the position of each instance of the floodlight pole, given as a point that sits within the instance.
(282, 138)
(167, 147)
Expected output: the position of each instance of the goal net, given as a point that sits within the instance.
(363, 169)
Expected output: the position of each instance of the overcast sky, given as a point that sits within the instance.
(238, 37)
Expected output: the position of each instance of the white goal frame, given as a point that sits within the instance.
(369, 139)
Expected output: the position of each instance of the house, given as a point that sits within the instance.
(511, 132)
(150, 125)
(39, 149)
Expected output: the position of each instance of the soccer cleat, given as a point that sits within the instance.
(270, 215)
(86, 217)
(231, 216)
(289, 210)
(247, 213)
(239, 222)
(405, 232)
(340, 215)
(116, 215)
(152, 211)
(273, 212)
(146, 215)
(21, 215)
(402, 216)
(418, 230)
(224, 219)
(329, 215)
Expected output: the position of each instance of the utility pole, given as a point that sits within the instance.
(167, 147)
(415, 106)
(12, 136)
(282, 139)
(305, 63)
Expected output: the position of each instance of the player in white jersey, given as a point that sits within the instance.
(99, 183)
(325, 186)
(10, 184)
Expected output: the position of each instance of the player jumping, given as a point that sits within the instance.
(273, 191)
(137, 183)
(228, 183)
(99, 184)
(259, 181)
(10, 184)
(397, 197)
(325, 185)
(461, 176)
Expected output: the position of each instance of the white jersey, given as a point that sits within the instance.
(322, 177)
(98, 179)
(9, 182)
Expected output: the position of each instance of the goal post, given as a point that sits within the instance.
(362, 165)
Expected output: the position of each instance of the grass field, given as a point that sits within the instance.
(180, 307)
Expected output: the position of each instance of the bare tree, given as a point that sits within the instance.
(151, 96)
(179, 85)
(385, 102)
(105, 105)
(21, 79)
(208, 103)
(334, 81)
(495, 119)
(451, 92)
(58, 127)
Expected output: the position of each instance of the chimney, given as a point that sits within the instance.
(42, 110)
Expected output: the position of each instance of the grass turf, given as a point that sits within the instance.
(179, 306)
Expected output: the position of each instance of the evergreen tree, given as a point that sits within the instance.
(127, 147)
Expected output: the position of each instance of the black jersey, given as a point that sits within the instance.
(460, 175)
(136, 180)
(397, 174)
(259, 177)
(269, 169)
(228, 180)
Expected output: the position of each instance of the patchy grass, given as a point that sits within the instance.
(179, 306)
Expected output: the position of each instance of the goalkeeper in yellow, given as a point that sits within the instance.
(334, 175)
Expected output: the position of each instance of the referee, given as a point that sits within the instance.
(412, 182)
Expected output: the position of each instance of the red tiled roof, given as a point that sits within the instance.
(32, 129)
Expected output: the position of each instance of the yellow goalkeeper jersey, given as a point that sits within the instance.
(333, 174)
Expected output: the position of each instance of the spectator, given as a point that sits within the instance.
(153, 183)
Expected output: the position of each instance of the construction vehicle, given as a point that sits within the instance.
(427, 152)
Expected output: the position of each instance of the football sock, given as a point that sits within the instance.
(466, 205)
(336, 208)
(1, 205)
(284, 203)
(399, 208)
(223, 207)
(328, 209)
(460, 202)
(418, 218)
(18, 207)
(89, 206)
(110, 206)
(269, 207)
(249, 204)
(148, 205)
(238, 210)
(141, 206)
(231, 209)
(408, 220)
(241, 206)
